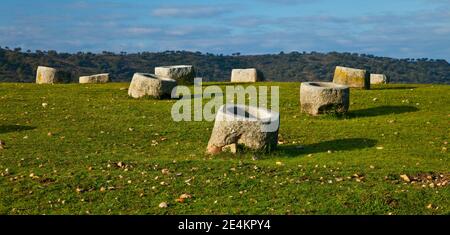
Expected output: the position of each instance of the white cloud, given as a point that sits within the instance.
(190, 11)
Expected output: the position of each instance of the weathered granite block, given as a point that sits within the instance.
(46, 75)
(378, 79)
(256, 128)
(98, 78)
(357, 78)
(324, 97)
(144, 84)
(244, 75)
(183, 74)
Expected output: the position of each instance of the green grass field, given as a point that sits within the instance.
(93, 150)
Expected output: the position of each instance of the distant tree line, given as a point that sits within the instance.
(20, 66)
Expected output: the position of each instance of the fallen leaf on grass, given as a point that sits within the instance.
(180, 200)
(185, 196)
(405, 178)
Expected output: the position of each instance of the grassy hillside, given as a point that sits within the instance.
(93, 150)
(17, 66)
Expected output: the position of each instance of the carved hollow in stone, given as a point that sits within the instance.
(378, 79)
(183, 74)
(356, 78)
(244, 75)
(144, 84)
(324, 97)
(255, 128)
(98, 78)
(46, 75)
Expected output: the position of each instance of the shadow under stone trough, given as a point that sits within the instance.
(14, 128)
(380, 111)
(323, 147)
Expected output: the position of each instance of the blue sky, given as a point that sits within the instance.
(394, 28)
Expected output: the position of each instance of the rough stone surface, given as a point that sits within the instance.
(378, 79)
(183, 74)
(324, 97)
(46, 75)
(357, 78)
(144, 84)
(246, 125)
(98, 78)
(244, 75)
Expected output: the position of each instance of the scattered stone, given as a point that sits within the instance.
(44, 105)
(98, 78)
(163, 205)
(151, 85)
(245, 75)
(255, 128)
(165, 171)
(324, 97)
(405, 178)
(183, 74)
(380, 148)
(279, 163)
(378, 79)
(357, 78)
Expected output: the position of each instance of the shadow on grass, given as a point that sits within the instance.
(394, 88)
(202, 96)
(380, 111)
(323, 147)
(14, 128)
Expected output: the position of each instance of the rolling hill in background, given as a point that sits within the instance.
(18, 66)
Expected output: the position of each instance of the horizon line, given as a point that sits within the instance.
(234, 54)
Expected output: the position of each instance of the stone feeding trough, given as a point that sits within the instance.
(183, 74)
(98, 78)
(145, 84)
(46, 75)
(356, 78)
(245, 75)
(255, 128)
(378, 79)
(324, 97)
